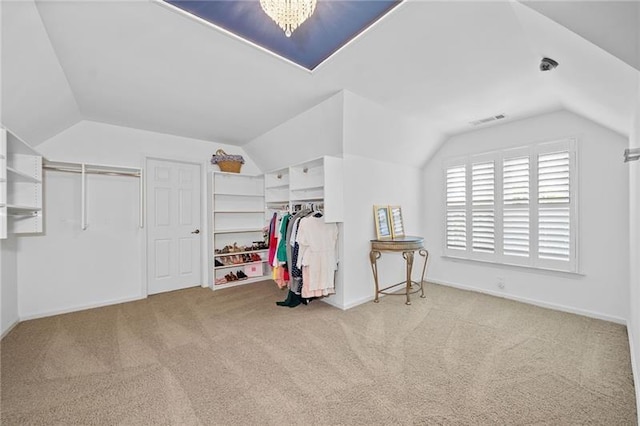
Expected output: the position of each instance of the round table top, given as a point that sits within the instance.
(398, 244)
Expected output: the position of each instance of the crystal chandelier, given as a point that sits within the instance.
(288, 14)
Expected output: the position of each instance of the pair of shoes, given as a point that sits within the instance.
(231, 277)
(241, 275)
(218, 263)
(221, 280)
(255, 257)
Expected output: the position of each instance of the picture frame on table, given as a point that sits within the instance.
(397, 223)
(382, 222)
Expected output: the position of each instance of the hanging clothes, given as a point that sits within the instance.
(273, 240)
(317, 257)
(295, 283)
(281, 253)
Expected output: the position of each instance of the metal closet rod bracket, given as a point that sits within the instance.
(631, 154)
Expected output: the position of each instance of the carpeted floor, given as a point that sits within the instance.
(234, 357)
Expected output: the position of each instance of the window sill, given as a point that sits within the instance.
(514, 266)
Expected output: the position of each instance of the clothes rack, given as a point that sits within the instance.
(98, 169)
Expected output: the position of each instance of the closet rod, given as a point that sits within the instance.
(88, 170)
(98, 169)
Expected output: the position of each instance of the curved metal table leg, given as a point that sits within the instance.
(408, 257)
(374, 255)
(424, 253)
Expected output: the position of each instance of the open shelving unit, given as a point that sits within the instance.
(238, 218)
(276, 189)
(317, 182)
(20, 186)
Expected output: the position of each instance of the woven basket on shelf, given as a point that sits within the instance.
(226, 162)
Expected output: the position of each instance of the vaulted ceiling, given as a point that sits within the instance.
(140, 64)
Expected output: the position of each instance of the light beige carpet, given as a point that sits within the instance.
(234, 357)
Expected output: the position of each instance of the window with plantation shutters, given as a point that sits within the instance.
(482, 207)
(554, 213)
(456, 208)
(516, 206)
(515, 210)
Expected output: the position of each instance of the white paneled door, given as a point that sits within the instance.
(173, 235)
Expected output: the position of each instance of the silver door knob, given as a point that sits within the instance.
(197, 231)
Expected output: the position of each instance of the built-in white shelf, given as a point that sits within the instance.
(307, 200)
(318, 181)
(23, 208)
(238, 217)
(18, 176)
(239, 211)
(240, 252)
(236, 265)
(238, 195)
(20, 186)
(281, 186)
(241, 282)
(308, 189)
(237, 231)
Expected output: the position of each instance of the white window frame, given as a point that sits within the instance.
(532, 151)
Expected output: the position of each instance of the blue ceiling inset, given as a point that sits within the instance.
(333, 24)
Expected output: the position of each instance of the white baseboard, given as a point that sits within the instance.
(330, 301)
(11, 327)
(357, 302)
(634, 368)
(80, 308)
(542, 304)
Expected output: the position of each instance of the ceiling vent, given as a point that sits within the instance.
(488, 119)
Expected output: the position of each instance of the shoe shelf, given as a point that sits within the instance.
(237, 230)
(244, 281)
(235, 265)
(237, 217)
(240, 252)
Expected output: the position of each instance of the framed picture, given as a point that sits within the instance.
(397, 225)
(383, 224)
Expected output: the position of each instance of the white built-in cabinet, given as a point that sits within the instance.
(20, 186)
(315, 182)
(241, 207)
(238, 220)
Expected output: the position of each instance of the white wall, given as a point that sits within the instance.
(8, 285)
(370, 182)
(602, 289)
(311, 134)
(37, 101)
(68, 269)
(634, 250)
(376, 132)
(381, 148)
(374, 142)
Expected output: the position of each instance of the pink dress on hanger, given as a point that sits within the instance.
(317, 256)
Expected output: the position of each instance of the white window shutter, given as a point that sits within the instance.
(483, 207)
(516, 206)
(554, 213)
(516, 217)
(456, 208)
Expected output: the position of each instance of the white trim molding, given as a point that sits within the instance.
(540, 303)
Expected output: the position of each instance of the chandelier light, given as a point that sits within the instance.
(288, 14)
